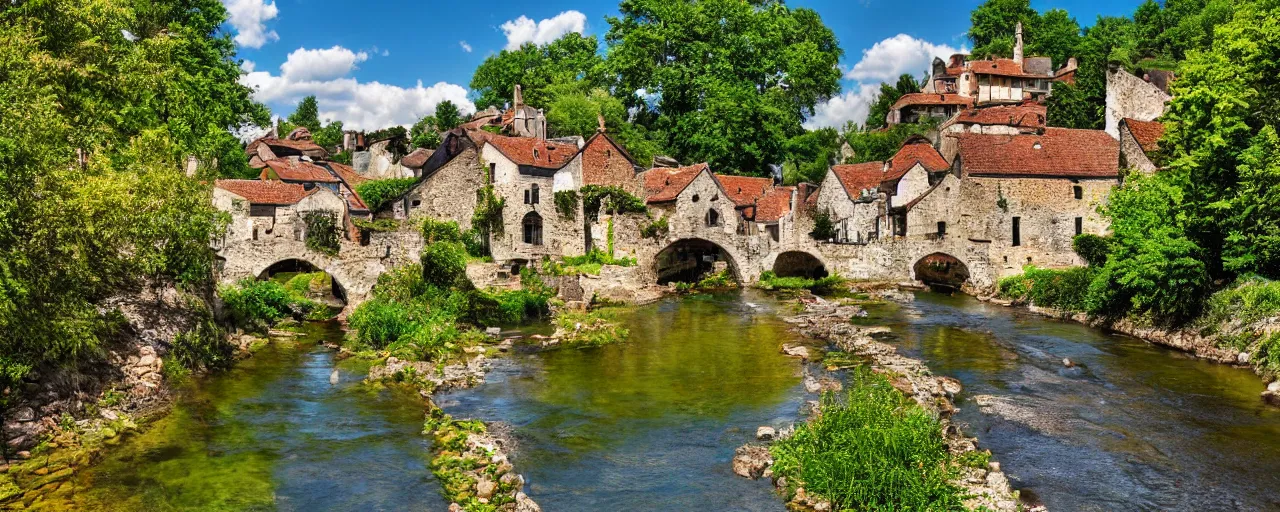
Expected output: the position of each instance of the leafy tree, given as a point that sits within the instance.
(330, 136)
(447, 116)
(879, 145)
(732, 80)
(1083, 105)
(575, 112)
(994, 23)
(1056, 36)
(306, 115)
(571, 58)
(810, 154)
(890, 94)
(423, 134)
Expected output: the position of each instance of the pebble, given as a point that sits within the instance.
(1243, 358)
(766, 433)
(1274, 386)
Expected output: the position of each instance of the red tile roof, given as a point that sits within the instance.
(290, 170)
(663, 184)
(1147, 133)
(774, 205)
(348, 174)
(597, 154)
(264, 192)
(305, 146)
(999, 67)
(533, 152)
(858, 177)
(920, 98)
(1026, 115)
(915, 149)
(743, 190)
(417, 158)
(1060, 152)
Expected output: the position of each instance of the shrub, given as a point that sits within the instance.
(434, 231)
(567, 203)
(611, 199)
(656, 230)
(205, 347)
(444, 264)
(1066, 289)
(771, 281)
(383, 225)
(1249, 300)
(1092, 248)
(379, 193)
(823, 228)
(589, 329)
(322, 232)
(254, 304)
(876, 450)
(381, 322)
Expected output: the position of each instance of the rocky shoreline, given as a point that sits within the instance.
(1181, 339)
(828, 320)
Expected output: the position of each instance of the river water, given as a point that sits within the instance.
(652, 424)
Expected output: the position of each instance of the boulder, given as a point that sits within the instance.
(750, 461)
(24, 414)
(525, 504)
(795, 350)
(766, 433)
(485, 488)
(1243, 358)
(950, 386)
(1274, 386)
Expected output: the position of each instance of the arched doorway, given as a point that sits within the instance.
(799, 264)
(941, 271)
(320, 285)
(690, 259)
(532, 226)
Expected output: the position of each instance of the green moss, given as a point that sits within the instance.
(590, 329)
(770, 281)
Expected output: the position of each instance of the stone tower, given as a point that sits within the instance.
(1017, 45)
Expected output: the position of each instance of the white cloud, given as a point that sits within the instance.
(247, 66)
(850, 106)
(888, 59)
(360, 106)
(327, 64)
(465, 47)
(524, 30)
(249, 18)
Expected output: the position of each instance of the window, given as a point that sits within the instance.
(417, 203)
(262, 210)
(1078, 191)
(531, 195)
(493, 171)
(713, 218)
(942, 229)
(533, 229)
(1079, 226)
(773, 231)
(1017, 231)
(695, 198)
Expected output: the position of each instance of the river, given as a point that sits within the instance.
(652, 424)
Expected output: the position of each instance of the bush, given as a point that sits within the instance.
(205, 347)
(444, 264)
(823, 228)
(876, 450)
(656, 230)
(254, 304)
(1093, 249)
(611, 199)
(322, 232)
(381, 322)
(771, 281)
(1249, 300)
(567, 203)
(1066, 289)
(379, 193)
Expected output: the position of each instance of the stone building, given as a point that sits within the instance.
(850, 194)
(607, 163)
(995, 81)
(447, 186)
(526, 173)
(262, 210)
(1130, 97)
(1138, 141)
(1026, 118)
(915, 107)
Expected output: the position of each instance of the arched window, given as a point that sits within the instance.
(713, 217)
(533, 229)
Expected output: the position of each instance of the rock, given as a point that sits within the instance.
(995, 466)
(333, 377)
(513, 480)
(108, 414)
(1271, 397)
(781, 482)
(147, 361)
(24, 414)
(525, 504)
(485, 488)
(1068, 363)
(18, 442)
(951, 386)
(454, 507)
(493, 331)
(24, 455)
(766, 433)
(147, 350)
(1243, 358)
(795, 350)
(1274, 386)
(750, 461)
(811, 384)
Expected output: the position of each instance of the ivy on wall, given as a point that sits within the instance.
(322, 232)
(567, 203)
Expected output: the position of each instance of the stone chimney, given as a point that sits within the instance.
(1017, 45)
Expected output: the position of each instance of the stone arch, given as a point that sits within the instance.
(531, 228)
(941, 270)
(799, 264)
(687, 259)
(302, 265)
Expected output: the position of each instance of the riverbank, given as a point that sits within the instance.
(980, 481)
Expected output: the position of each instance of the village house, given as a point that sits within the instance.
(916, 107)
(1131, 97)
(526, 173)
(1138, 141)
(850, 195)
(1026, 118)
(262, 210)
(297, 144)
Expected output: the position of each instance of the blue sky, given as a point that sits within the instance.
(391, 62)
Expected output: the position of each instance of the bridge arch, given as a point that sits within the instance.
(799, 264)
(302, 265)
(941, 270)
(688, 259)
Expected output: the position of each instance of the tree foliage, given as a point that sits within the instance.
(447, 116)
(880, 145)
(576, 112)
(425, 133)
(572, 58)
(889, 94)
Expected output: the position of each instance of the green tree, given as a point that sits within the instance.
(732, 80)
(993, 24)
(890, 94)
(1109, 40)
(424, 134)
(880, 145)
(575, 112)
(306, 115)
(810, 154)
(574, 57)
(330, 136)
(447, 116)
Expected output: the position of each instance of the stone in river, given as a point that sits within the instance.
(766, 433)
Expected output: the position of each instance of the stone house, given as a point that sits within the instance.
(448, 186)
(526, 173)
(1138, 141)
(914, 107)
(1028, 117)
(332, 176)
(999, 80)
(1025, 197)
(262, 210)
(774, 216)
(297, 145)
(911, 171)
(607, 163)
(850, 194)
(1130, 97)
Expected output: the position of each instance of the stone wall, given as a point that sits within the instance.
(1132, 97)
(378, 163)
(854, 220)
(1131, 154)
(448, 194)
(913, 184)
(286, 222)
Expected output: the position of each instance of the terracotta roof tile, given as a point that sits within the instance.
(417, 158)
(1147, 133)
(348, 174)
(915, 149)
(533, 152)
(1026, 115)
(1060, 152)
(663, 184)
(858, 177)
(775, 205)
(999, 67)
(920, 98)
(291, 170)
(744, 190)
(264, 192)
(597, 154)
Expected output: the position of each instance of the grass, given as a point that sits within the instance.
(256, 305)
(590, 329)
(589, 263)
(871, 449)
(1232, 312)
(1065, 289)
(771, 281)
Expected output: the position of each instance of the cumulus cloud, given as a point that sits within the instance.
(247, 66)
(465, 47)
(325, 64)
(359, 105)
(524, 30)
(249, 18)
(886, 60)
(850, 106)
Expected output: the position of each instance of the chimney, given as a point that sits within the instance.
(1017, 45)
